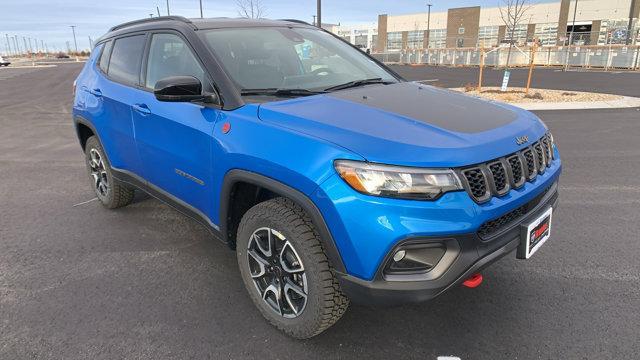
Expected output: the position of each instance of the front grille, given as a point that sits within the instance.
(497, 177)
(531, 164)
(492, 227)
(516, 170)
(540, 157)
(477, 183)
(546, 144)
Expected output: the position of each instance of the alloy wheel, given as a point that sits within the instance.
(277, 272)
(98, 173)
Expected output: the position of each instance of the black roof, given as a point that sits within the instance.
(197, 24)
(209, 23)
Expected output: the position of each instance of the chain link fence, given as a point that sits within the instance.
(603, 57)
(602, 50)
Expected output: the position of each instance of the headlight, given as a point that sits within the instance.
(397, 181)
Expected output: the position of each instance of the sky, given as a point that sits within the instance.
(50, 20)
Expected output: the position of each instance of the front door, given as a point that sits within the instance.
(174, 139)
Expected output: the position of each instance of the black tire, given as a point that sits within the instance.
(114, 193)
(325, 302)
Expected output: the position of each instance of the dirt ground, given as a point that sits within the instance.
(518, 95)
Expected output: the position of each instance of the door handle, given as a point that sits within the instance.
(142, 109)
(95, 92)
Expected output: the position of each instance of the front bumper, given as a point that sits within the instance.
(473, 255)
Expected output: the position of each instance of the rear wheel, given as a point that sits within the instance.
(111, 192)
(286, 271)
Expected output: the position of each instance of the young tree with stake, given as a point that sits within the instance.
(512, 13)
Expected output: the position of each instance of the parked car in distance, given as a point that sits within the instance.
(331, 177)
(62, 56)
(4, 62)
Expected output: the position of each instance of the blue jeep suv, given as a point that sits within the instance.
(332, 178)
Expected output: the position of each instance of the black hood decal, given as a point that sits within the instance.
(442, 108)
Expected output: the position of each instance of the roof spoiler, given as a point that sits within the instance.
(296, 21)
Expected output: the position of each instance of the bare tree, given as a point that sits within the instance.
(512, 13)
(251, 9)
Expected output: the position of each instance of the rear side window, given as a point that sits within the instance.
(126, 57)
(104, 57)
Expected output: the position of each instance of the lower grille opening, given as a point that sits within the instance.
(495, 226)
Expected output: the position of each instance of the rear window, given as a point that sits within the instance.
(126, 57)
(104, 57)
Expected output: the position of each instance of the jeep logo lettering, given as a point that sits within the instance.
(522, 139)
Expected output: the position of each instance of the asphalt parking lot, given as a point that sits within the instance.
(615, 82)
(145, 282)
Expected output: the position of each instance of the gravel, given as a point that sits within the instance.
(518, 95)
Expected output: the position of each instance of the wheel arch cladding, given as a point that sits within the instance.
(84, 132)
(258, 188)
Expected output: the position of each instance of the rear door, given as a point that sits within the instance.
(117, 90)
(174, 139)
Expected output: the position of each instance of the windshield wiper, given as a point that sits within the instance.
(357, 83)
(280, 92)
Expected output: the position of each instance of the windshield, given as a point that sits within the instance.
(291, 58)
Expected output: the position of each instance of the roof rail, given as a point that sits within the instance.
(150, 20)
(296, 21)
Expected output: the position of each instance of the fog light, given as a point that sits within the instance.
(399, 255)
(416, 258)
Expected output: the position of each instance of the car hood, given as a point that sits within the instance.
(408, 124)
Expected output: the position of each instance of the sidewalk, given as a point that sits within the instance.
(624, 102)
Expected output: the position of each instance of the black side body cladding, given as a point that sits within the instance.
(237, 175)
(231, 178)
(138, 182)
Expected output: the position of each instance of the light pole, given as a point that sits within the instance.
(573, 24)
(8, 45)
(201, 15)
(73, 28)
(319, 15)
(573, 28)
(428, 24)
(168, 8)
(16, 45)
(630, 26)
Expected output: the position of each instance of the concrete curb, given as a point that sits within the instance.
(624, 102)
(26, 66)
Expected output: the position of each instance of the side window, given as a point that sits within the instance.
(169, 55)
(104, 57)
(124, 65)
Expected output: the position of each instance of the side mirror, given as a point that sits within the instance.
(179, 89)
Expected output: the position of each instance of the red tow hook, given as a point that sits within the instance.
(473, 281)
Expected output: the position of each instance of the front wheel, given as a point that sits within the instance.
(286, 271)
